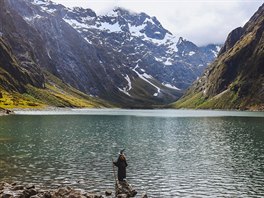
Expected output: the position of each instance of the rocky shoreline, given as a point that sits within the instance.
(5, 111)
(14, 190)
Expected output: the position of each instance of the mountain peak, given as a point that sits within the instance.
(235, 79)
(41, 2)
(84, 12)
(180, 41)
(125, 57)
(123, 11)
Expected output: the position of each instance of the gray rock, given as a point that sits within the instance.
(20, 187)
(61, 192)
(88, 195)
(108, 193)
(98, 196)
(36, 196)
(6, 195)
(30, 186)
(122, 196)
(31, 192)
(19, 195)
(46, 195)
(123, 187)
(144, 195)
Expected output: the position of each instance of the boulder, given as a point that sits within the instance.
(90, 195)
(123, 190)
(122, 196)
(31, 192)
(108, 193)
(30, 186)
(144, 195)
(19, 195)
(6, 195)
(20, 187)
(46, 195)
(123, 187)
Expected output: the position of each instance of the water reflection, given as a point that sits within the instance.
(167, 156)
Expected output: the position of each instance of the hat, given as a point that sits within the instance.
(121, 152)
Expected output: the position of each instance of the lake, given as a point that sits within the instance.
(170, 153)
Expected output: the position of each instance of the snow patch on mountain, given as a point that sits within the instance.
(129, 82)
(45, 5)
(144, 77)
(170, 86)
(136, 31)
(215, 52)
(191, 53)
(112, 13)
(32, 18)
(124, 90)
(90, 42)
(75, 24)
(158, 59)
(127, 88)
(109, 27)
(48, 10)
(40, 2)
(168, 62)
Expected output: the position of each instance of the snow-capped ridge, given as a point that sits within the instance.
(83, 12)
(145, 77)
(144, 31)
(40, 2)
(180, 41)
(138, 42)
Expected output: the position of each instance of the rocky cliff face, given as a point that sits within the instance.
(147, 46)
(16, 71)
(236, 78)
(12, 77)
(123, 57)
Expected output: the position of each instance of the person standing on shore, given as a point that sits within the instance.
(121, 164)
(122, 186)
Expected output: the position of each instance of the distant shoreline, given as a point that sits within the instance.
(139, 112)
(61, 110)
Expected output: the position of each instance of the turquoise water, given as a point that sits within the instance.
(170, 153)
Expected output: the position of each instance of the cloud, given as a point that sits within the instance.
(200, 21)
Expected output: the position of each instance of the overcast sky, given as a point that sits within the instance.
(200, 21)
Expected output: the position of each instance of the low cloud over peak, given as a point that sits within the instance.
(202, 22)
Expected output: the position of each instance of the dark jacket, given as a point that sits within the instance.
(121, 164)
